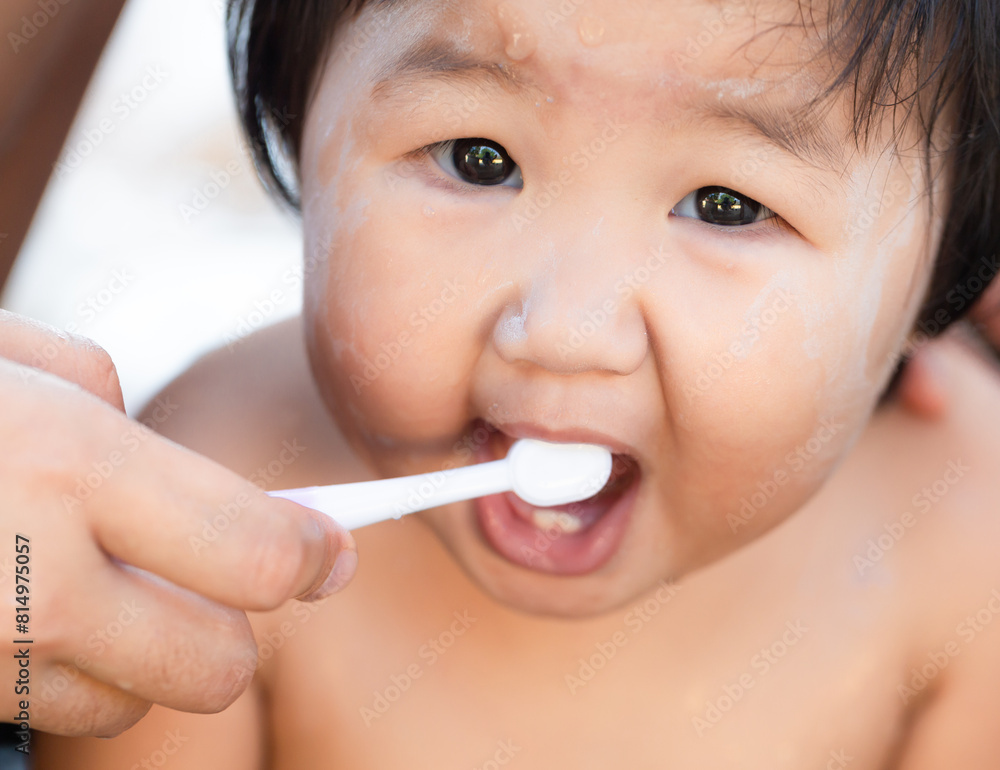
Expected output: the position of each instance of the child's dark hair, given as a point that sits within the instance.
(935, 61)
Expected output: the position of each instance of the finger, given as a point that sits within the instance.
(148, 502)
(183, 517)
(72, 358)
(67, 701)
(160, 643)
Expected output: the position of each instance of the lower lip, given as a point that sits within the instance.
(554, 552)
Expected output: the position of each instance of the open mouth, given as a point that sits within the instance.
(571, 539)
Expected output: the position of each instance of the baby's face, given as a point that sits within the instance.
(586, 220)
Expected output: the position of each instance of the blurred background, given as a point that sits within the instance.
(155, 238)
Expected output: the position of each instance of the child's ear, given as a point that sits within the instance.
(923, 386)
(986, 315)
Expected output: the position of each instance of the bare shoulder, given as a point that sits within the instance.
(952, 678)
(254, 408)
(946, 477)
(968, 491)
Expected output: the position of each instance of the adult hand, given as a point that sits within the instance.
(126, 602)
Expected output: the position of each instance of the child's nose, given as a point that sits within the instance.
(572, 320)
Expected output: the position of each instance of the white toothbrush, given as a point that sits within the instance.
(539, 472)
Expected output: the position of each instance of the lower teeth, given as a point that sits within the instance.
(559, 521)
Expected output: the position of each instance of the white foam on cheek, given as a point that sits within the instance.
(859, 375)
(904, 241)
(780, 281)
(355, 215)
(813, 313)
(331, 224)
(855, 289)
(862, 274)
(870, 298)
(812, 347)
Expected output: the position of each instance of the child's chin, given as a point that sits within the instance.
(561, 602)
(580, 597)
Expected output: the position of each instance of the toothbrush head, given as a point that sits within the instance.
(546, 474)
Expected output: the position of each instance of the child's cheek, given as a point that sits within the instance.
(751, 393)
(769, 399)
(400, 331)
(756, 369)
(892, 235)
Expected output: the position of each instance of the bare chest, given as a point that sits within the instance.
(750, 677)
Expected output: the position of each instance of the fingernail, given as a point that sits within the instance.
(341, 574)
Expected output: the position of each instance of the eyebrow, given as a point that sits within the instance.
(437, 59)
(806, 137)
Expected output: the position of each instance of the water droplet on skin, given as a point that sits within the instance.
(519, 40)
(591, 30)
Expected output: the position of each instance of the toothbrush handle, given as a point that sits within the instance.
(367, 502)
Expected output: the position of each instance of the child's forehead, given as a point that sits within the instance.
(738, 65)
(677, 41)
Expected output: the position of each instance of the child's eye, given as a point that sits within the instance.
(722, 206)
(477, 161)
